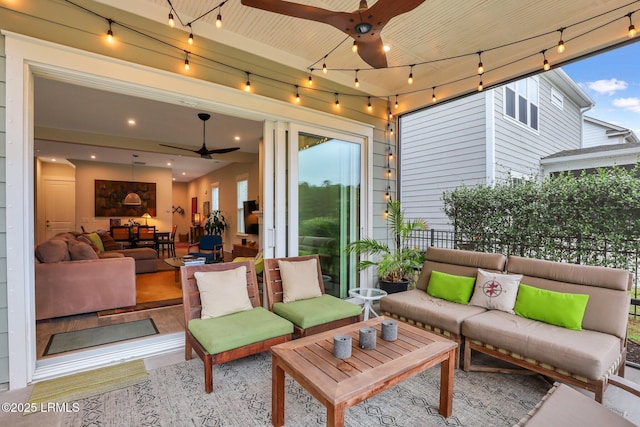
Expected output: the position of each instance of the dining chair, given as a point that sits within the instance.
(146, 237)
(121, 234)
(168, 242)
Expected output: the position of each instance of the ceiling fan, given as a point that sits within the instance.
(364, 24)
(203, 151)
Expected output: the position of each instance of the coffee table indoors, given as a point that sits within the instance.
(339, 384)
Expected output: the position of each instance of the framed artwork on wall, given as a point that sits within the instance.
(109, 198)
(206, 209)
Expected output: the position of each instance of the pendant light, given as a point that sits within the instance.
(132, 199)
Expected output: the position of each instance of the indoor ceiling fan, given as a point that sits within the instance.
(364, 24)
(203, 151)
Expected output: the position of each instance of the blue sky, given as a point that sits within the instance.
(612, 80)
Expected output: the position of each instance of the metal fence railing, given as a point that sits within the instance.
(591, 251)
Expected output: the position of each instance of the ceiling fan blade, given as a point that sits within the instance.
(371, 50)
(179, 148)
(222, 150)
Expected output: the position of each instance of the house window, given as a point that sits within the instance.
(215, 197)
(557, 98)
(242, 186)
(521, 101)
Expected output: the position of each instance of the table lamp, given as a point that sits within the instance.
(146, 217)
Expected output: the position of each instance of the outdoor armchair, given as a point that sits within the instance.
(209, 247)
(222, 315)
(296, 292)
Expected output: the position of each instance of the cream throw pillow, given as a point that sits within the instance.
(496, 291)
(223, 292)
(299, 280)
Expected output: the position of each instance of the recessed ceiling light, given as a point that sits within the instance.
(387, 48)
(237, 138)
(168, 163)
(184, 173)
(132, 122)
(53, 160)
(173, 179)
(93, 156)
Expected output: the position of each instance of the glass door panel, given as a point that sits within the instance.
(329, 187)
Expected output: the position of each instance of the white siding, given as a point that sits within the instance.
(520, 148)
(441, 148)
(594, 134)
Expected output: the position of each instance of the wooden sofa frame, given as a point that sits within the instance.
(273, 283)
(193, 308)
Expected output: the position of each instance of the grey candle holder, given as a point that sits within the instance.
(389, 330)
(368, 338)
(342, 346)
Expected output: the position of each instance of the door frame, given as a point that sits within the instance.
(27, 57)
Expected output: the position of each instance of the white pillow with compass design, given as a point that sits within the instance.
(496, 291)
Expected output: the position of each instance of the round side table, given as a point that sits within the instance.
(367, 295)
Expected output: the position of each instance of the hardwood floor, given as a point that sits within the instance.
(167, 319)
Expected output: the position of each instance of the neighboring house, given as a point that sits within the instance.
(591, 158)
(486, 137)
(597, 132)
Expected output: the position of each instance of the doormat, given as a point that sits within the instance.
(84, 338)
(86, 384)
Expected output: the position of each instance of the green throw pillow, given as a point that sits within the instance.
(451, 287)
(97, 241)
(556, 308)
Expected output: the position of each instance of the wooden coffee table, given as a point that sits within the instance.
(339, 384)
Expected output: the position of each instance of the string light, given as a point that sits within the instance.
(387, 195)
(390, 113)
(369, 106)
(433, 94)
(410, 79)
(354, 47)
(172, 23)
(396, 105)
(356, 82)
(324, 66)
(632, 29)
(310, 79)
(480, 85)
(297, 95)
(390, 152)
(480, 66)
(190, 35)
(337, 100)
(247, 85)
(545, 64)
(561, 42)
(110, 32)
(186, 60)
(219, 20)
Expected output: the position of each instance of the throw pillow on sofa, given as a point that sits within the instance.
(107, 241)
(555, 308)
(97, 241)
(450, 287)
(81, 251)
(54, 250)
(496, 291)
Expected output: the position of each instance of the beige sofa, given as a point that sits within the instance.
(582, 358)
(71, 279)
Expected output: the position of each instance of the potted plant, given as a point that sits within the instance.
(397, 264)
(215, 223)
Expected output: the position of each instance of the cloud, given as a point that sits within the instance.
(607, 86)
(631, 104)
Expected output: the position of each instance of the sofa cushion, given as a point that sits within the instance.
(496, 291)
(54, 250)
(417, 305)
(316, 311)
(555, 308)
(223, 292)
(586, 353)
(451, 287)
(97, 241)
(107, 241)
(80, 251)
(299, 280)
(83, 238)
(238, 329)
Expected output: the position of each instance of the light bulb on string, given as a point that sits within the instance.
(172, 22)
(297, 95)
(369, 106)
(545, 64)
(433, 94)
(310, 79)
(186, 60)
(631, 32)
(219, 20)
(247, 85)
(356, 83)
(480, 66)
(109, 31)
(410, 79)
(561, 42)
(337, 100)
(354, 47)
(324, 66)
(396, 104)
(190, 40)
(480, 85)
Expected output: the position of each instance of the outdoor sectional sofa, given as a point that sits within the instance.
(584, 358)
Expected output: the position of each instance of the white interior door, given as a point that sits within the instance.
(59, 206)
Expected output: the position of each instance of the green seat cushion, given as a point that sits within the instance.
(316, 311)
(235, 330)
(451, 287)
(555, 308)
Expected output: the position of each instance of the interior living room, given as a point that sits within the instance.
(306, 83)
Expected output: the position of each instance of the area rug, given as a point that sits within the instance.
(84, 338)
(87, 384)
(175, 395)
(153, 290)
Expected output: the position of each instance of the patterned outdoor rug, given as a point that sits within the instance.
(175, 396)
